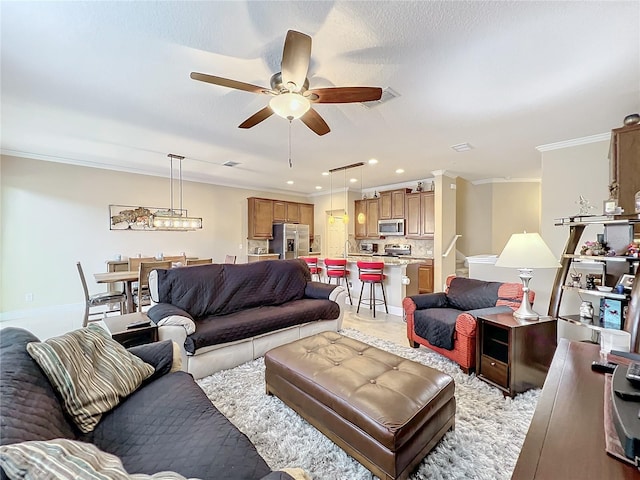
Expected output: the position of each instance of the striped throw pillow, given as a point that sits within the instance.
(91, 372)
(63, 459)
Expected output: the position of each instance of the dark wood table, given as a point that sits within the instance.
(566, 436)
(514, 354)
(130, 337)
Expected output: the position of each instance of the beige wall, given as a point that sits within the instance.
(56, 214)
(568, 173)
(474, 217)
(489, 213)
(445, 228)
(516, 208)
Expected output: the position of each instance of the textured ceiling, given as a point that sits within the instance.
(107, 84)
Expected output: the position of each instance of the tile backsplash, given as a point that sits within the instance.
(419, 248)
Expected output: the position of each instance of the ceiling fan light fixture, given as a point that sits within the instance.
(289, 105)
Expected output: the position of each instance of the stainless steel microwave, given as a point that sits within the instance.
(387, 228)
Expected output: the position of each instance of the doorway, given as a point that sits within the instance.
(336, 234)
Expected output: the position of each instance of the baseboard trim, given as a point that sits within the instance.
(40, 311)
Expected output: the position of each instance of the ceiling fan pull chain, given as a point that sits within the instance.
(290, 162)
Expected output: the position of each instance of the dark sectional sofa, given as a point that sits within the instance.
(168, 424)
(223, 315)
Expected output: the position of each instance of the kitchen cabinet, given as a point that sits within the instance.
(286, 212)
(613, 268)
(625, 166)
(307, 216)
(421, 276)
(264, 212)
(425, 277)
(372, 217)
(369, 229)
(260, 218)
(392, 204)
(420, 215)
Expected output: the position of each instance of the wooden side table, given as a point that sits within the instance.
(512, 354)
(130, 337)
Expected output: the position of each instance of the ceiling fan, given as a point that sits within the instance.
(291, 97)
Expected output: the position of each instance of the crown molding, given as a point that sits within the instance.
(575, 142)
(444, 173)
(505, 180)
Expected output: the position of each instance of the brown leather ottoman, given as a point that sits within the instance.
(383, 410)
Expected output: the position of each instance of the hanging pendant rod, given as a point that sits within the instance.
(346, 167)
(173, 157)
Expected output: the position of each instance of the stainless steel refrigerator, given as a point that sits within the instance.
(290, 240)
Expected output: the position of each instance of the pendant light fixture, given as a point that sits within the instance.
(361, 216)
(345, 216)
(175, 219)
(331, 219)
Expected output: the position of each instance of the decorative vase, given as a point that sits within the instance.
(586, 310)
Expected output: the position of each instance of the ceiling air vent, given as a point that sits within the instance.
(387, 94)
(230, 163)
(462, 147)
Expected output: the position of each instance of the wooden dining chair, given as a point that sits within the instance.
(182, 259)
(134, 262)
(230, 259)
(199, 261)
(109, 299)
(141, 297)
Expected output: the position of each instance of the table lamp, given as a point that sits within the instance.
(526, 251)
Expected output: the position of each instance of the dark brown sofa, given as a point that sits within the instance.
(168, 424)
(224, 315)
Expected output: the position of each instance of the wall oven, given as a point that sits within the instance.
(387, 228)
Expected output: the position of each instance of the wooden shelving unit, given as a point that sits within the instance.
(576, 229)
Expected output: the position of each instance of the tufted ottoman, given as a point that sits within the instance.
(385, 411)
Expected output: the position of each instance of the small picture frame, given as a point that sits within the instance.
(626, 281)
(610, 207)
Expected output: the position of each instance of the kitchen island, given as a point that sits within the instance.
(395, 269)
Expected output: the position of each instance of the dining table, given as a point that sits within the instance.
(127, 277)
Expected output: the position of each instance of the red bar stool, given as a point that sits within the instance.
(312, 263)
(372, 273)
(337, 268)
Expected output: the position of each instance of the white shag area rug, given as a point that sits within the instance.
(485, 444)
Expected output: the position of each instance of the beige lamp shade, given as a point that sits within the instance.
(527, 250)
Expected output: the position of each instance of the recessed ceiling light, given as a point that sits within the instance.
(290, 182)
(372, 161)
(400, 170)
(353, 180)
(462, 147)
(318, 187)
(325, 174)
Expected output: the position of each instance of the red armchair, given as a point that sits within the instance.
(451, 315)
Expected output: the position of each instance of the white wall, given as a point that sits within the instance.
(56, 214)
(568, 173)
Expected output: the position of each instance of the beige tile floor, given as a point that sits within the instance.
(385, 326)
